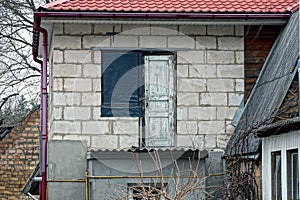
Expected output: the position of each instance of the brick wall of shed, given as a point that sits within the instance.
(210, 82)
(19, 155)
(258, 43)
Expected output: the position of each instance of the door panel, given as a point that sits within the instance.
(159, 101)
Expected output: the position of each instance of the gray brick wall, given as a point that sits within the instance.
(209, 82)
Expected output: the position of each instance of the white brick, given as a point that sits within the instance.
(125, 127)
(182, 70)
(96, 41)
(96, 85)
(153, 41)
(66, 99)
(91, 99)
(202, 113)
(127, 141)
(239, 85)
(239, 30)
(56, 137)
(222, 141)
(96, 113)
(77, 84)
(104, 142)
(220, 85)
(84, 139)
(191, 85)
(230, 71)
(206, 42)
(125, 41)
(182, 113)
(203, 71)
(58, 56)
(220, 30)
(229, 128)
(181, 42)
(187, 127)
(95, 127)
(104, 28)
(164, 30)
(92, 70)
(78, 56)
(135, 30)
(66, 127)
(66, 70)
(78, 29)
(226, 112)
(239, 57)
(235, 99)
(220, 57)
(57, 84)
(190, 57)
(192, 30)
(96, 56)
(67, 42)
(213, 99)
(211, 127)
(77, 113)
(58, 28)
(194, 141)
(210, 141)
(231, 43)
(57, 113)
(188, 99)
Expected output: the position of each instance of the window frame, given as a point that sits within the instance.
(276, 178)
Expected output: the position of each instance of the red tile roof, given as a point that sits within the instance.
(175, 6)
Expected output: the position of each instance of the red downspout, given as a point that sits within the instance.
(43, 114)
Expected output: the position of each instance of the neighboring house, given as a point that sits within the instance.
(139, 90)
(19, 155)
(271, 110)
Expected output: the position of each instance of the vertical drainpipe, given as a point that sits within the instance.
(298, 87)
(43, 114)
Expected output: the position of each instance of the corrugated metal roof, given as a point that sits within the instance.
(279, 127)
(175, 6)
(269, 90)
(94, 152)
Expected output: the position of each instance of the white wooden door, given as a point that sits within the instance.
(159, 101)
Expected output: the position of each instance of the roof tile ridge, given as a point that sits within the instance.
(52, 4)
(293, 8)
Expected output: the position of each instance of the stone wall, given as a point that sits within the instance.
(210, 82)
(19, 155)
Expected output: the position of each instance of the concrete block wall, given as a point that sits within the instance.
(210, 77)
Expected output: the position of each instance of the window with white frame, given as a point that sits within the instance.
(293, 174)
(280, 166)
(276, 175)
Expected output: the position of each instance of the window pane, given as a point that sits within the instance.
(293, 174)
(276, 176)
(121, 84)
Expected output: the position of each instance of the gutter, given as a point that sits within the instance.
(161, 15)
(44, 95)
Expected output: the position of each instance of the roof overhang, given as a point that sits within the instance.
(164, 18)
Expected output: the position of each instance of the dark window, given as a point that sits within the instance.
(121, 84)
(276, 176)
(293, 174)
(149, 191)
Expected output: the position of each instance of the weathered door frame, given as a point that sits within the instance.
(170, 99)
